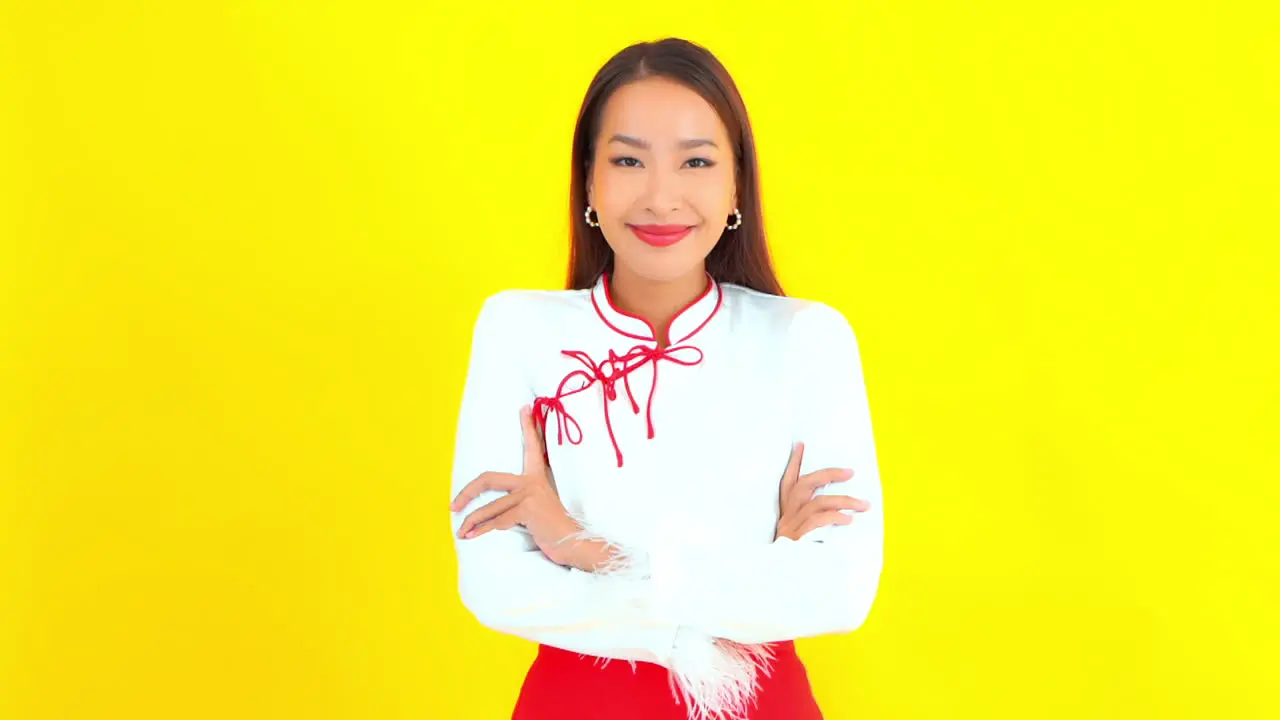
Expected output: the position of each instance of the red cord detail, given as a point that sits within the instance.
(607, 373)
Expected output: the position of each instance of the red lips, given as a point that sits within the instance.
(661, 235)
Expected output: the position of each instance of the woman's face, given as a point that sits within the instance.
(662, 179)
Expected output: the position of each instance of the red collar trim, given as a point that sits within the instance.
(691, 319)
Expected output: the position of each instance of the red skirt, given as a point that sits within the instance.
(563, 685)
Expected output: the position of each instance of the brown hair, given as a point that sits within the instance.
(743, 257)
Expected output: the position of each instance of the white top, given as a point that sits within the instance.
(675, 456)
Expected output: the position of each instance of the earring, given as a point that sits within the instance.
(737, 222)
(587, 215)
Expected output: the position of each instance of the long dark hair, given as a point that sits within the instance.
(741, 258)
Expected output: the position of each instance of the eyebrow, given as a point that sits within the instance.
(644, 145)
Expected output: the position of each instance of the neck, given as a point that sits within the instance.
(656, 301)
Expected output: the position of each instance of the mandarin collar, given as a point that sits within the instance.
(686, 323)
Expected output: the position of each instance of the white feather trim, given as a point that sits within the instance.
(717, 679)
(623, 574)
(626, 563)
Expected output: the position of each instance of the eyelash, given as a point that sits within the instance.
(619, 162)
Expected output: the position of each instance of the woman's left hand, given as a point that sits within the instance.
(531, 500)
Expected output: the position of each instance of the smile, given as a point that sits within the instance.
(661, 235)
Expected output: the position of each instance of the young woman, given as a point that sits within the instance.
(670, 463)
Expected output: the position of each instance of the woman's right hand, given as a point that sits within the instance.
(799, 511)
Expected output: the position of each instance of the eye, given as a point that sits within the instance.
(625, 162)
(699, 162)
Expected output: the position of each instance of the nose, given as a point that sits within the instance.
(662, 192)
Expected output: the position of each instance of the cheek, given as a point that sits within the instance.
(614, 192)
(714, 200)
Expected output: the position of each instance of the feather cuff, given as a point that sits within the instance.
(716, 679)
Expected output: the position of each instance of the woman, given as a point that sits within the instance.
(694, 527)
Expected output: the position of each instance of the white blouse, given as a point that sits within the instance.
(675, 456)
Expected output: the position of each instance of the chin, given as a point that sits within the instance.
(662, 269)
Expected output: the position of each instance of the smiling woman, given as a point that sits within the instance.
(663, 138)
(681, 532)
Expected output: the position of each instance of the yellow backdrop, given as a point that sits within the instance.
(242, 245)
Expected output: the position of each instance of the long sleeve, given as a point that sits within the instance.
(827, 581)
(504, 580)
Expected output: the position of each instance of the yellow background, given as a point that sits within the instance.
(242, 245)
